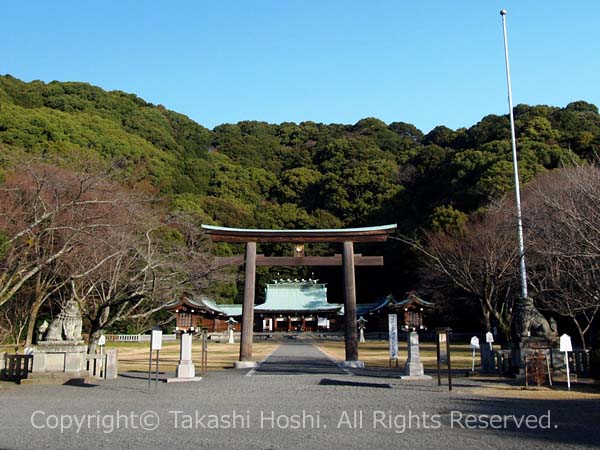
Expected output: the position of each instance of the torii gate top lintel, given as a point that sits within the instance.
(365, 234)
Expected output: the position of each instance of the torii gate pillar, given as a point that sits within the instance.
(245, 361)
(351, 329)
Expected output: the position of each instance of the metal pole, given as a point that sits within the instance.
(515, 164)
(204, 352)
(156, 379)
(568, 370)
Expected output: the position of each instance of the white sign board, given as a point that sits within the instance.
(474, 343)
(393, 332)
(322, 321)
(156, 339)
(102, 341)
(489, 337)
(565, 343)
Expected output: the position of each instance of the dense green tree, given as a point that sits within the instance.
(256, 174)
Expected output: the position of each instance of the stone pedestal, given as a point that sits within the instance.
(231, 340)
(245, 364)
(529, 345)
(353, 364)
(185, 369)
(413, 369)
(58, 361)
(362, 335)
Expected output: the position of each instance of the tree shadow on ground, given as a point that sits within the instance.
(332, 382)
(572, 422)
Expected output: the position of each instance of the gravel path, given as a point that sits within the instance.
(298, 359)
(283, 405)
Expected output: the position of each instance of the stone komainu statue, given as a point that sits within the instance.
(67, 325)
(530, 322)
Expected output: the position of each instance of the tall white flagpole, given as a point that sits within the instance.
(515, 165)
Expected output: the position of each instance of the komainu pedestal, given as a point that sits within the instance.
(535, 334)
(528, 346)
(60, 355)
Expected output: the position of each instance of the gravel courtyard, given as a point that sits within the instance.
(298, 398)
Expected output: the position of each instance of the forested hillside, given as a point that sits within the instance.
(255, 174)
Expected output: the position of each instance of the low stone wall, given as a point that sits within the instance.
(15, 367)
(103, 366)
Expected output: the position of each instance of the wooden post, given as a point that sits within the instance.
(248, 306)
(351, 331)
(449, 362)
(439, 377)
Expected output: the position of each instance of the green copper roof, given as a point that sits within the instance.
(296, 296)
(205, 304)
(227, 309)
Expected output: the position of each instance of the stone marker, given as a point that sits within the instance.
(487, 359)
(413, 368)
(111, 369)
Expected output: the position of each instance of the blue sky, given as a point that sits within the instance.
(428, 62)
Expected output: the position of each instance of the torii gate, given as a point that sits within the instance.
(348, 260)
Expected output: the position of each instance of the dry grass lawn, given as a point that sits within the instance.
(376, 354)
(134, 355)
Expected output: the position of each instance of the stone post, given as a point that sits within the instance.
(185, 369)
(111, 369)
(414, 367)
(488, 364)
